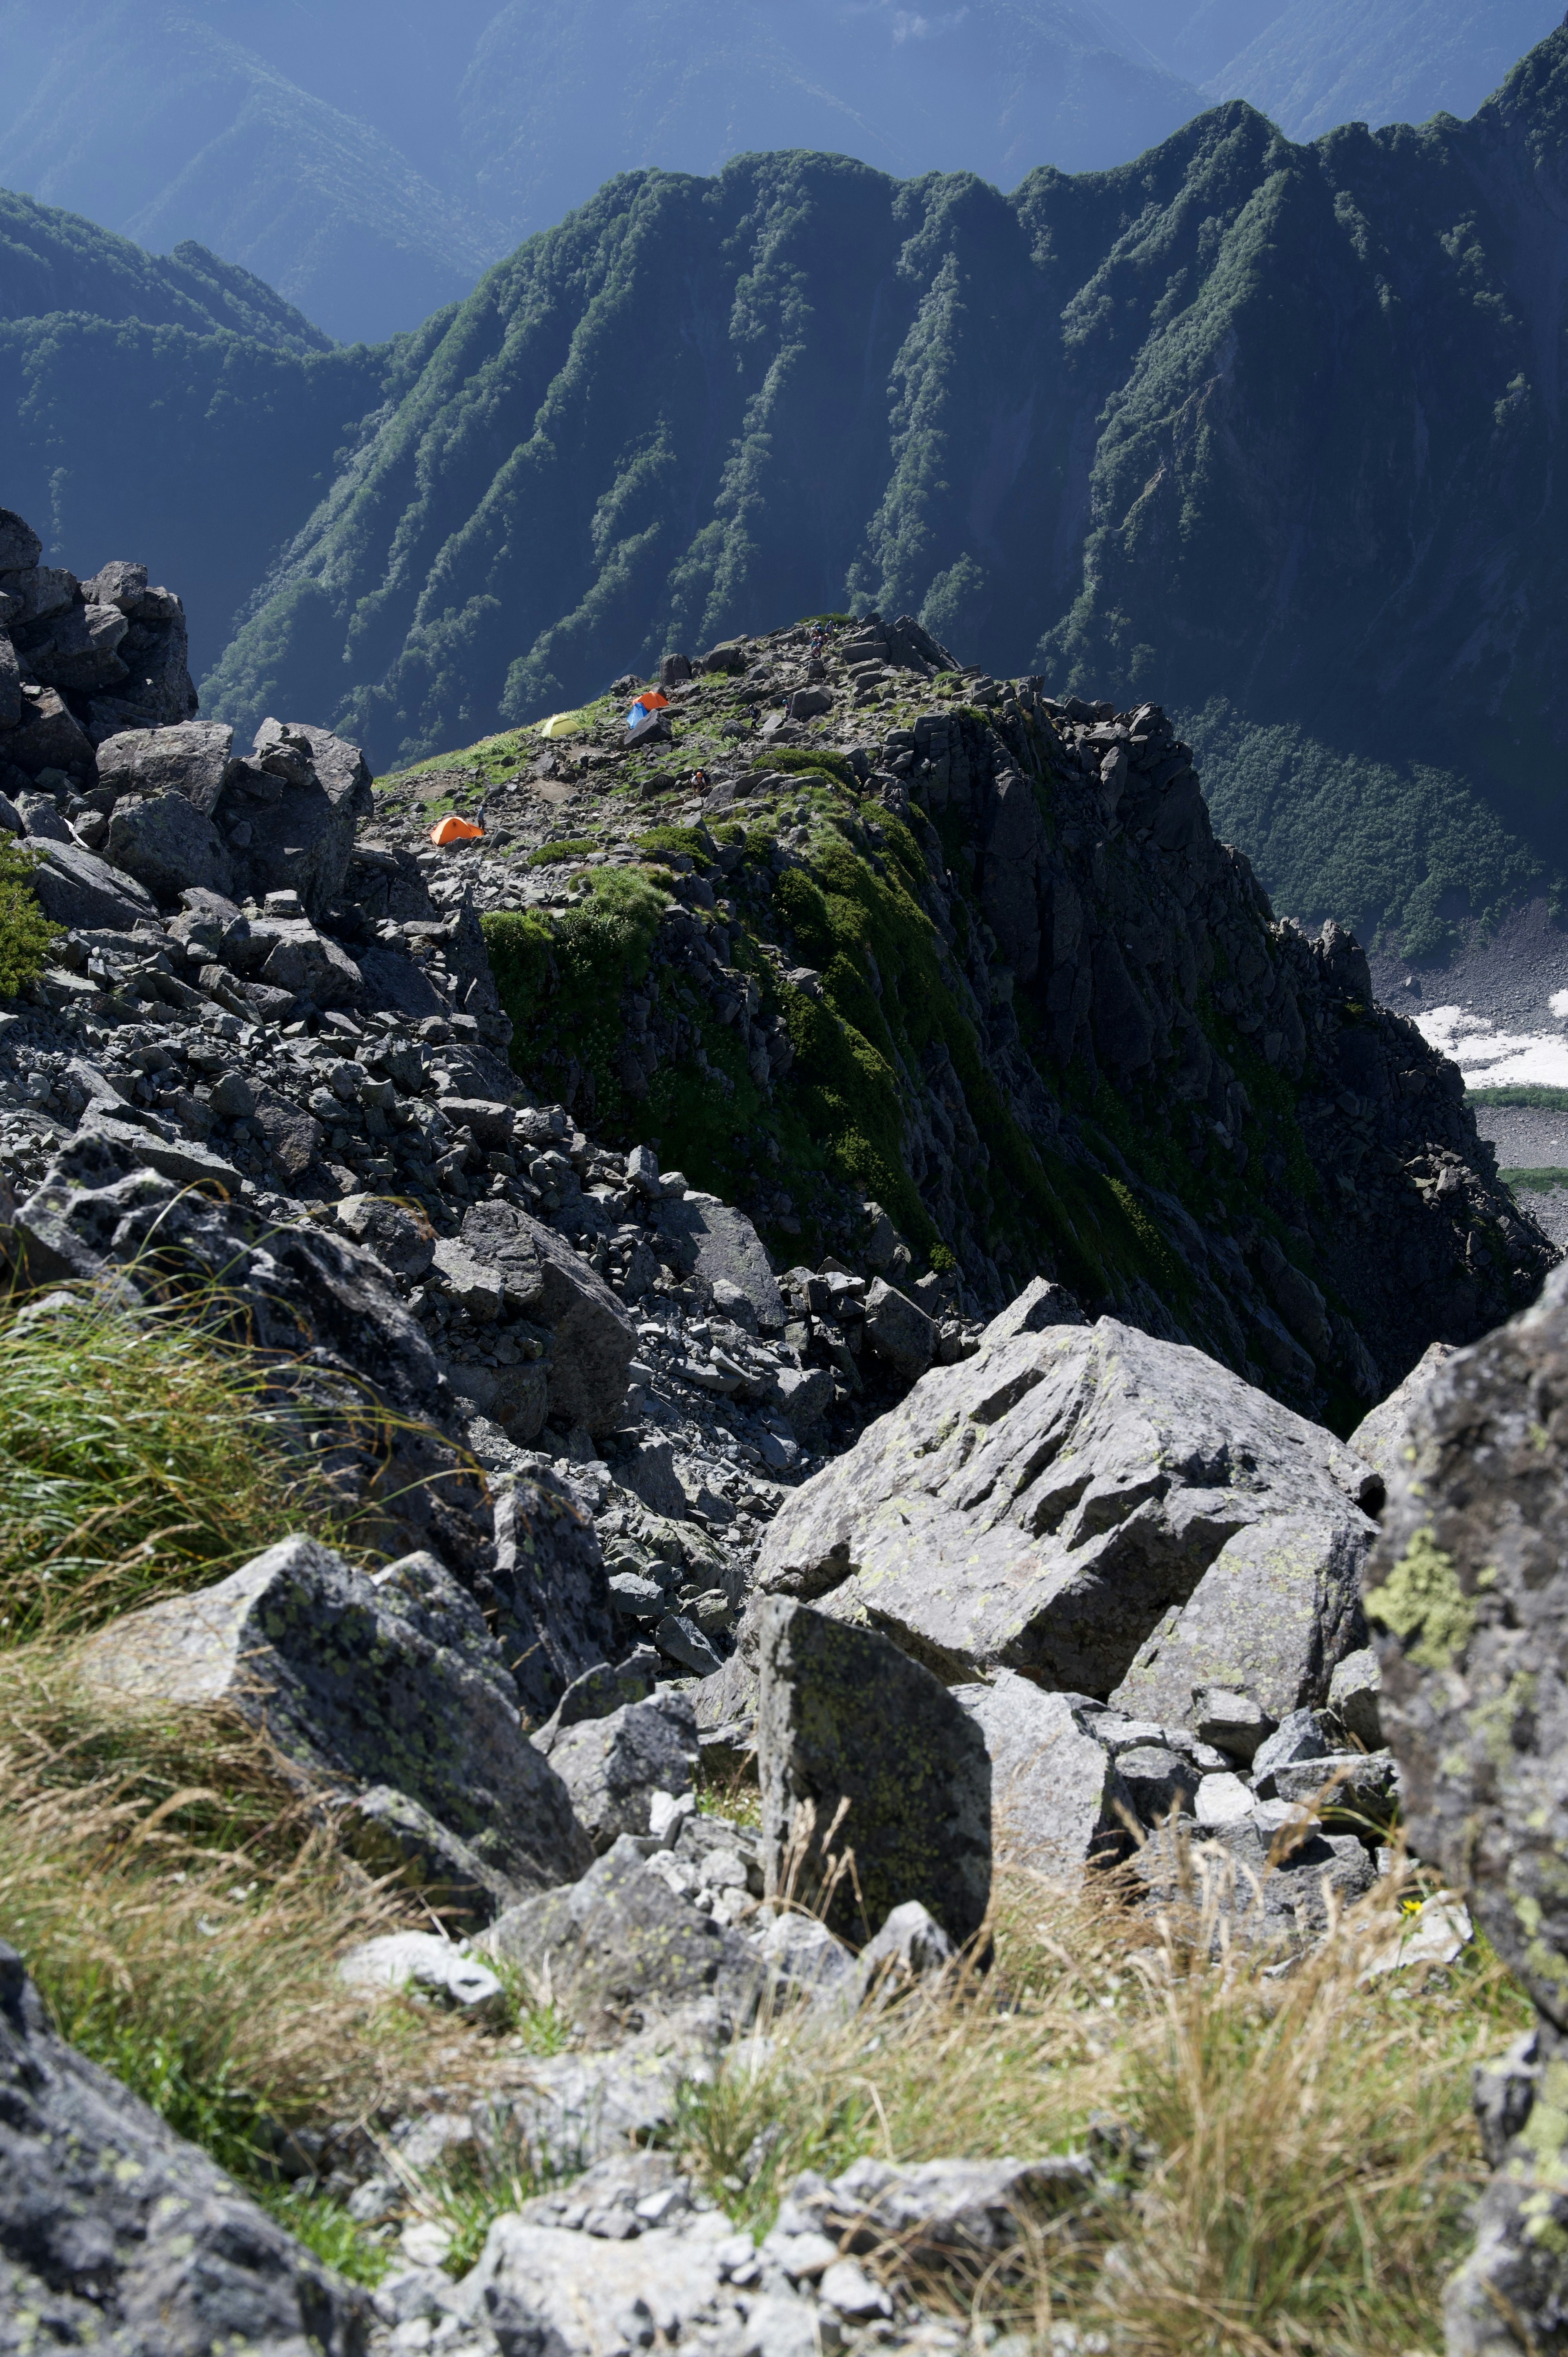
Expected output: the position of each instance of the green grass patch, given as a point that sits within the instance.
(1527, 1095)
(26, 933)
(139, 1454)
(557, 854)
(1545, 1181)
(798, 761)
(675, 843)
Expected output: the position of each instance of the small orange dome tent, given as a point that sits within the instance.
(453, 829)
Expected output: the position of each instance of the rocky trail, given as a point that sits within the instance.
(821, 1248)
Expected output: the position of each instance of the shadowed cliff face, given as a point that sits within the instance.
(1267, 429)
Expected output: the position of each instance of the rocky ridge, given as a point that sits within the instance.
(266, 1058)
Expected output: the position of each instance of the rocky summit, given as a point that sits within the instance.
(825, 1234)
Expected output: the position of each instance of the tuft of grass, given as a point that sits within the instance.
(139, 1452)
(325, 2228)
(557, 854)
(180, 1905)
(26, 933)
(1545, 1181)
(1287, 2163)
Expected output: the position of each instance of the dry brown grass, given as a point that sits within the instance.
(178, 1898)
(1296, 2153)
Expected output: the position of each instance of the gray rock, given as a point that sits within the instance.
(1158, 1780)
(118, 583)
(20, 546)
(578, 2107)
(183, 1159)
(515, 1398)
(1058, 1801)
(41, 819)
(937, 2213)
(1273, 1616)
(1503, 2093)
(115, 2234)
(613, 1766)
(548, 1594)
(1517, 2275)
(1232, 1723)
(1362, 1788)
(425, 1960)
(1298, 1737)
(649, 1474)
(191, 759)
(10, 684)
(399, 1234)
(963, 1525)
(619, 1948)
(393, 1835)
(392, 1681)
(712, 1240)
(49, 736)
(489, 1123)
(911, 1946)
(599, 1690)
(593, 1339)
(78, 650)
(167, 845)
(1380, 1438)
(1042, 1305)
(303, 840)
(1353, 1698)
(900, 1332)
(679, 1637)
(544, 2289)
(78, 890)
(804, 1393)
(846, 1723)
(1468, 1592)
(288, 954)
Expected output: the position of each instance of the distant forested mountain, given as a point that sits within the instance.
(1269, 432)
(370, 158)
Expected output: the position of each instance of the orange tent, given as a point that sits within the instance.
(453, 829)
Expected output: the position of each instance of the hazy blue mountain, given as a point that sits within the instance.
(371, 157)
(172, 122)
(1311, 64)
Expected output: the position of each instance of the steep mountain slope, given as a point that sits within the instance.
(178, 405)
(1272, 428)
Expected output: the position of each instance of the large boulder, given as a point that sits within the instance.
(391, 1682)
(290, 812)
(78, 890)
(593, 1339)
(860, 1750)
(49, 736)
(1468, 1589)
(1044, 1504)
(704, 1237)
(1274, 1616)
(166, 844)
(191, 759)
(1379, 1439)
(117, 2235)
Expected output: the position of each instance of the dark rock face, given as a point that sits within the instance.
(388, 1682)
(116, 2234)
(1469, 1593)
(884, 1762)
